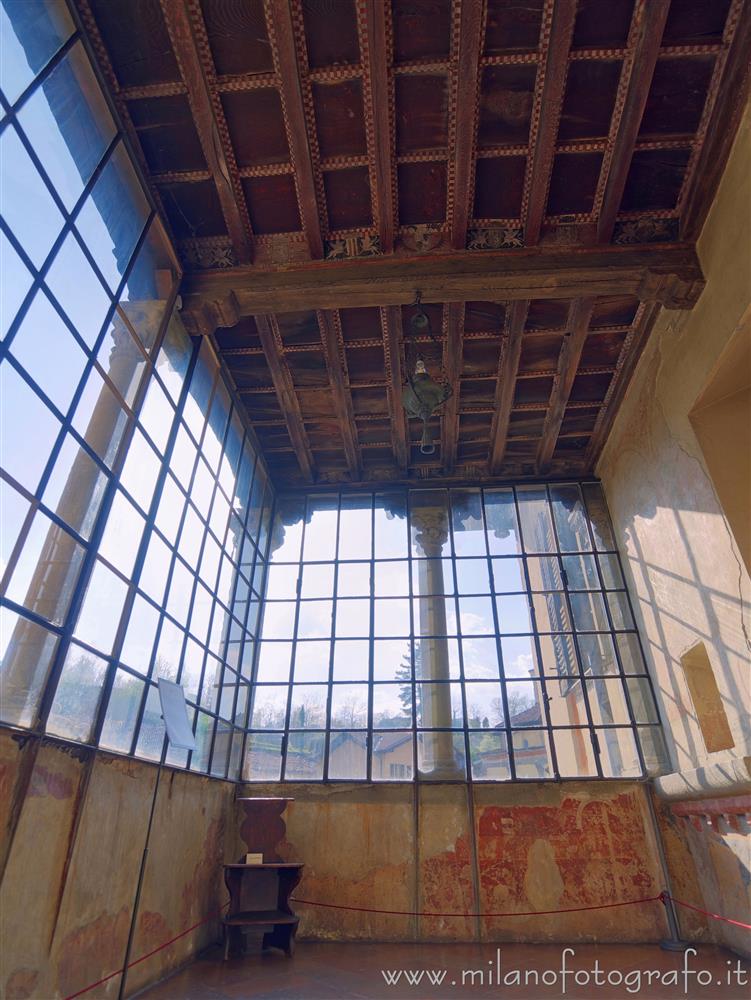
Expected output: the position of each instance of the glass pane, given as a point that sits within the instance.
(393, 756)
(597, 654)
(122, 534)
(26, 651)
(14, 509)
(204, 730)
(441, 757)
(432, 576)
(348, 756)
(476, 616)
(642, 702)
(122, 713)
(113, 216)
(269, 707)
(620, 613)
(575, 753)
(317, 580)
(156, 415)
(279, 620)
(500, 516)
(480, 658)
(351, 660)
(599, 519)
(312, 661)
(75, 488)
(25, 455)
(31, 32)
(565, 699)
(263, 757)
(519, 656)
(99, 418)
(551, 613)
(392, 705)
(78, 290)
(467, 523)
(121, 359)
(484, 705)
(78, 693)
(28, 208)
(15, 282)
(101, 609)
(391, 579)
(473, 576)
(537, 527)
(155, 568)
(619, 757)
(589, 612)
(49, 352)
(606, 701)
(349, 706)
(151, 734)
(628, 649)
(274, 661)
(581, 572)
(508, 575)
(355, 527)
(532, 754)
(174, 356)
(489, 756)
(654, 750)
(392, 659)
(140, 472)
(140, 634)
(304, 757)
(439, 705)
(352, 618)
(525, 700)
(513, 614)
(69, 124)
(391, 617)
(314, 621)
(570, 520)
(353, 579)
(612, 578)
(391, 537)
(46, 570)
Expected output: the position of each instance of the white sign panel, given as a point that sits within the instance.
(175, 715)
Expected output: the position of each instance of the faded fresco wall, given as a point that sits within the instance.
(452, 848)
(71, 850)
(688, 579)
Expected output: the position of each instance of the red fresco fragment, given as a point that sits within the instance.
(48, 783)
(92, 951)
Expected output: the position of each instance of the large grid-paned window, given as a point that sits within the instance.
(133, 504)
(481, 634)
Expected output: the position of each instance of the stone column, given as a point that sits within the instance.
(431, 532)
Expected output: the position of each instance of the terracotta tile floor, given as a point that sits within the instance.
(323, 971)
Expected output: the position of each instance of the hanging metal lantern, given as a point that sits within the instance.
(422, 396)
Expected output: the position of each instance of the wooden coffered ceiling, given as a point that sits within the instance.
(539, 169)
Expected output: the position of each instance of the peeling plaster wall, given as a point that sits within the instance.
(686, 573)
(71, 853)
(454, 849)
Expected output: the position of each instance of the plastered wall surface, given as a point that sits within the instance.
(78, 820)
(687, 576)
(448, 849)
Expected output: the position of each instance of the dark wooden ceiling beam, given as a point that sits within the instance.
(465, 83)
(393, 336)
(196, 70)
(580, 314)
(329, 325)
(547, 108)
(271, 341)
(282, 30)
(638, 69)
(452, 367)
(376, 55)
(513, 331)
(669, 275)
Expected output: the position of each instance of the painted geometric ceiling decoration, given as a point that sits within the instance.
(540, 169)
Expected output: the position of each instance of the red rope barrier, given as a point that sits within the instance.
(510, 913)
(662, 897)
(708, 913)
(161, 947)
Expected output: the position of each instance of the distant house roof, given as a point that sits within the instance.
(389, 741)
